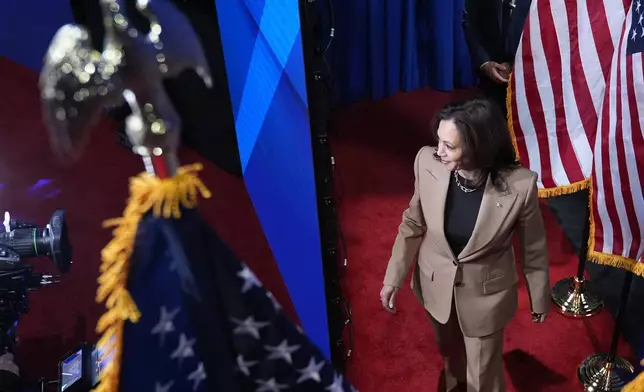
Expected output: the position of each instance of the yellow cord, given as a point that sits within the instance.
(508, 107)
(636, 385)
(164, 197)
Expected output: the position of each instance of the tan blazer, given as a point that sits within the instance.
(483, 277)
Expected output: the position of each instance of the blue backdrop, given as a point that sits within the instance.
(384, 46)
(263, 53)
(27, 27)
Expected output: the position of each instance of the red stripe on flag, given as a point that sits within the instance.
(627, 5)
(635, 132)
(553, 52)
(583, 97)
(535, 108)
(607, 176)
(622, 170)
(601, 30)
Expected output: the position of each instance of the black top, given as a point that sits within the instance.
(461, 212)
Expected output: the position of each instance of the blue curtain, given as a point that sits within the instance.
(385, 46)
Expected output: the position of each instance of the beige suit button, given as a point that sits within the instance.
(459, 284)
(455, 262)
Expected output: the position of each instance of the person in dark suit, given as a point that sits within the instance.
(492, 30)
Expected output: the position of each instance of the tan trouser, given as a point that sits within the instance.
(477, 362)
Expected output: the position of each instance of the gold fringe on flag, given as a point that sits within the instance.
(636, 385)
(508, 106)
(564, 189)
(163, 197)
(546, 192)
(616, 261)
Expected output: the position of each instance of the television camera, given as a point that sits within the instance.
(20, 241)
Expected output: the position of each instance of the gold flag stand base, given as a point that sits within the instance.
(598, 373)
(572, 298)
(609, 372)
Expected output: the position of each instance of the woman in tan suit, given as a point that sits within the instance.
(470, 198)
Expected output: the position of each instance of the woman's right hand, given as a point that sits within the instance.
(388, 298)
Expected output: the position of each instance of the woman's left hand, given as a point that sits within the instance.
(539, 317)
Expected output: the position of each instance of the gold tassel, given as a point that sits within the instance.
(164, 197)
(508, 106)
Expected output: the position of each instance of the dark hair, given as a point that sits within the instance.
(485, 138)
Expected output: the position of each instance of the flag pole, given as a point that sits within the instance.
(164, 189)
(157, 148)
(573, 297)
(76, 83)
(608, 372)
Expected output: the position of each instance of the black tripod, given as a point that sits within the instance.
(12, 304)
(15, 285)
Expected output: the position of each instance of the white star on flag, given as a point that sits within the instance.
(163, 387)
(184, 350)
(249, 326)
(276, 304)
(250, 280)
(165, 324)
(270, 385)
(197, 376)
(282, 351)
(311, 371)
(244, 366)
(337, 384)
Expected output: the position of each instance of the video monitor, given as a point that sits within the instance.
(71, 370)
(80, 370)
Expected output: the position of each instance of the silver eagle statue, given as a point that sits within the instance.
(77, 82)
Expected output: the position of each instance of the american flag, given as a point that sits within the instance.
(207, 323)
(618, 171)
(558, 84)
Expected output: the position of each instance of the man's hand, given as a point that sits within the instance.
(388, 298)
(507, 70)
(498, 73)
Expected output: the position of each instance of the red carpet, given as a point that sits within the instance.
(374, 146)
